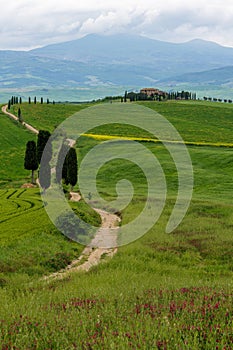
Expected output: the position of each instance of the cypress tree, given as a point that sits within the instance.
(29, 100)
(20, 116)
(72, 167)
(42, 140)
(20, 100)
(9, 104)
(61, 166)
(45, 175)
(41, 100)
(35, 100)
(30, 159)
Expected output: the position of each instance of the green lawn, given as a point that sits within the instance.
(163, 291)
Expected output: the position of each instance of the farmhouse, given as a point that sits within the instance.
(151, 91)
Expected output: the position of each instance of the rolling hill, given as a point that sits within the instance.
(102, 65)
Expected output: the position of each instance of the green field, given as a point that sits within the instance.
(164, 291)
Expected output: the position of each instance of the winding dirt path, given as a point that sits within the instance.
(12, 116)
(92, 256)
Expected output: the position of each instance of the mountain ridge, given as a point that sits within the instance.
(114, 61)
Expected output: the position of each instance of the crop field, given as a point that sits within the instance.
(163, 291)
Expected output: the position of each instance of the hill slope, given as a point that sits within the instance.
(108, 63)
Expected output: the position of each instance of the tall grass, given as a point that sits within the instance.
(163, 291)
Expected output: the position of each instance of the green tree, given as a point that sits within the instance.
(45, 175)
(20, 100)
(61, 166)
(35, 100)
(9, 105)
(41, 100)
(29, 100)
(30, 159)
(125, 96)
(20, 116)
(42, 140)
(72, 167)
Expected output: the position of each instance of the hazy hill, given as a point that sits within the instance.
(140, 51)
(219, 76)
(112, 61)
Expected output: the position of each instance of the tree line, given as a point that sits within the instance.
(161, 96)
(66, 168)
(14, 100)
(214, 99)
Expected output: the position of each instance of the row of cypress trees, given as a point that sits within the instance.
(67, 165)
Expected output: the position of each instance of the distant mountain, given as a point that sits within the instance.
(108, 62)
(219, 77)
(164, 58)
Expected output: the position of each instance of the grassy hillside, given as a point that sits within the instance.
(164, 291)
(30, 244)
(12, 148)
(46, 116)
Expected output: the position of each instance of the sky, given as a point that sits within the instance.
(27, 24)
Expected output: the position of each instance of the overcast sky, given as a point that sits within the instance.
(26, 24)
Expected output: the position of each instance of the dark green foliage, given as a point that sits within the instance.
(59, 261)
(29, 100)
(30, 160)
(20, 115)
(41, 100)
(125, 96)
(9, 105)
(74, 227)
(20, 100)
(72, 167)
(35, 100)
(45, 175)
(42, 140)
(61, 166)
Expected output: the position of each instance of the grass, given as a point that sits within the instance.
(163, 291)
(39, 248)
(46, 116)
(12, 149)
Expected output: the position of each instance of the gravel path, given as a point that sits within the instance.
(12, 116)
(92, 256)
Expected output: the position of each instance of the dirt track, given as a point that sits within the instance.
(92, 256)
(12, 116)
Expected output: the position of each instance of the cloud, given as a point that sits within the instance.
(32, 23)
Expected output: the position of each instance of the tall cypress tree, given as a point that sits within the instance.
(30, 159)
(61, 166)
(45, 175)
(72, 167)
(42, 140)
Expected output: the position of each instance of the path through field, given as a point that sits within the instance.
(92, 256)
(12, 116)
